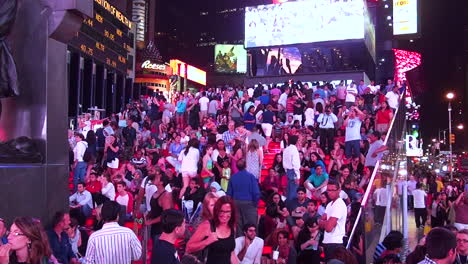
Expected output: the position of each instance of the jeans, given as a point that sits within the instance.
(353, 148)
(420, 215)
(79, 173)
(379, 214)
(329, 249)
(326, 139)
(248, 214)
(291, 189)
(174, 162)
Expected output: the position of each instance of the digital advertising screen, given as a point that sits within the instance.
(106, 37)
(303, 22)
(283, 61)
(230, 59)
(405, 17)
(413, 146)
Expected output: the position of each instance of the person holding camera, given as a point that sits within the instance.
(327, 122)
(353, 123)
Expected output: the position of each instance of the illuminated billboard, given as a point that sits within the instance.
(413, 146)
(193, 73)
(230, 59)
(405, 17)
(303, 22)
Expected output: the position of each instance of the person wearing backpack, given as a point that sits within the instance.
(79, 165)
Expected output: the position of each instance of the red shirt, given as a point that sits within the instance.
(94, 187)
(383, 117)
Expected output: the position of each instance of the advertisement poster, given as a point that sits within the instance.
(405, 17)
(230, 59)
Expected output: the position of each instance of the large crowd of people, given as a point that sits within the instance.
(234, 175)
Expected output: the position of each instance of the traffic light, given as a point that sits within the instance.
(452, 138)
(414, 131)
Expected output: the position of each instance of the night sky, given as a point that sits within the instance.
(444, 66)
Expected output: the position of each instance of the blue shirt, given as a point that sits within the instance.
(176, 149)
(61, 249)
(249, 117)
(181, 106)
(244, 187)
(4, 240)
(264, 99)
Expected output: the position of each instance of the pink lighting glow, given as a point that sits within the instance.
(405, 61)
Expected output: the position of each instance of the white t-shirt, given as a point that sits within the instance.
(283, 99)
(419, 198)
(309, 117)
(380, 197)
(204, 101)
(392, 99)
(254, 251)
(353, 129)
(109, 191)
(150, 189)
(86, 128)
(123, 200)
(351, 97)
(370, 161)
(189, 161)
(213, 107)
(250, 92)
(338, 210)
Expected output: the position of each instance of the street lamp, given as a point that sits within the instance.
(450, 96)
(460, 126)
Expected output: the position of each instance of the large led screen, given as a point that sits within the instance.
(405, 17)
(288, 63)
(230, 59)
(303, 22)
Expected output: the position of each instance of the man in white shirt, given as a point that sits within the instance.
(351, 93)
(249, 247)
(376, 149)
(380, 197)
(203, 101)
(411, 187)
(333, 221)
(283, 99)
(146, 191)
(113, 243)
(292, 164)
(250, 92)
(327, 122)
(81, 202)
(353, 132)
(392, 97)
(373, 88)
(420, 211)
(79, 165)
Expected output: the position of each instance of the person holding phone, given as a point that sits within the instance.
(249, 247)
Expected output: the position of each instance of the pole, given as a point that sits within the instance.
(450, 141)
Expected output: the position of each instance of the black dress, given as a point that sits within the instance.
(220, 251)
(156, 211)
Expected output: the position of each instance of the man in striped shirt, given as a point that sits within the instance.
(112, 244)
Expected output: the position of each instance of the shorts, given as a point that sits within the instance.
(190, 174)
(180, 113)
(267, 128)
(114, 164)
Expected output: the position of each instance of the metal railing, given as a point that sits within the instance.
(387, 170)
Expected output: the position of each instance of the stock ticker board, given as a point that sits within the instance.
(106, 37)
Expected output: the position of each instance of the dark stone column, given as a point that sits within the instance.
(40, 111)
